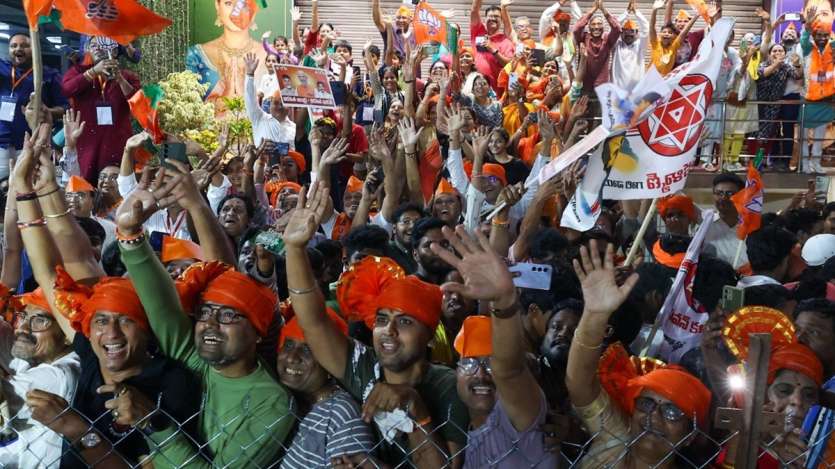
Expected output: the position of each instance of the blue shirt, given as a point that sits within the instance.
(11, 133)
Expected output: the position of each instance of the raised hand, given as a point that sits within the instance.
(334, 154)
(251, 63)
(307, 216)
(296, 14)
(26, 165)
(511, 194)
(205, 170)
(187, 192)
(129, 406)
(581, 106)
(597, 277)
(73, 128)
(455, 121)
(480, 138)
(547, 129)
(408, 132)
(486, 277)
(378, 147)
(146, 200)
(136, 141)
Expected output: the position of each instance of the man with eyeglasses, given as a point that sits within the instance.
(638, 418)
(493, 48)
(721, 240)
(245, 413)
(36, 355)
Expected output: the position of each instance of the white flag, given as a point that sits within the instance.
(682, 319)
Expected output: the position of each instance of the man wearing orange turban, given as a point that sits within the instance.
(678, 212)
(178, 254)
(232, 313)
(402, 313)
(339, 224)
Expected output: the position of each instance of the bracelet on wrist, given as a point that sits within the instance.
(26, 196)
(31, 224)
(130, 239)
(497, 222)
(303, 291)
(504, 313)
(49, 192)
(58, 215)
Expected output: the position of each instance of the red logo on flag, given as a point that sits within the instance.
(675, 126)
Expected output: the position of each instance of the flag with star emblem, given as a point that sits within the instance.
(659, 139)
(749, 204)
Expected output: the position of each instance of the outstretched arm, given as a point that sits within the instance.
(377, 16)
(329, 346)
(602, 297)
(475, 12)
(683, 34)
(507, 22)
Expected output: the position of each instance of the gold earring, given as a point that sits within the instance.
(218, 23)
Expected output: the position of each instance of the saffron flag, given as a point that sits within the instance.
(121, 20)
(749, 204)
(143, 107)
(430, 26)
(701, 8)
(682, 319)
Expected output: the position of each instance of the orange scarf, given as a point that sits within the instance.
(821, 73)
(429, 166)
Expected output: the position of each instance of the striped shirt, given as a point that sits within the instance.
(332, 428)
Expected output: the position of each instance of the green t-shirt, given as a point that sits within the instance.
(243, 421)
(437, 389)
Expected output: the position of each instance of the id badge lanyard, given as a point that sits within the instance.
(8, 105)
(104, 113)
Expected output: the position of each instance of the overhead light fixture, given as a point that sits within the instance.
(55, 39)
(4, 36)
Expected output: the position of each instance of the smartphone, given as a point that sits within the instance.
(534, 276)
(821, 188)
(156, 240)
(278, 151)
(175, 151)
(431, 50)
(512, 80)
(733, 298)
(340, 92)
(520, 48)
(379, 175)
(480, 42)
(792, 16)
(537, 57)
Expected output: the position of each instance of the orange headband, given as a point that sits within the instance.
(35, 298)
(79, 184)
(679, 202)
(413, 297)
(299, 159)
(795, 357)
(354, 185)
(174, 249)
(664, 258)
(292, 330)
(494, 169)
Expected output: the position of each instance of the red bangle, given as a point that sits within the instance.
(26, 196)
(29, 224)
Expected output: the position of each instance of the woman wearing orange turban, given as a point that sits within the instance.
(630, 400)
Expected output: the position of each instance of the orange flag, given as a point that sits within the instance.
(121, 20)
(429, 25)
(701, 7)
(35, 9)
(749, 204)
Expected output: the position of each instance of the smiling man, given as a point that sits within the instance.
(493, 48)
(40, 359)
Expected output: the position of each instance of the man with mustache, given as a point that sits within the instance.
(16, 87)
(598, 44)
(493, 48)
(38, 358)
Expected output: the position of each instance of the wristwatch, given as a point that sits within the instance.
(90, 440)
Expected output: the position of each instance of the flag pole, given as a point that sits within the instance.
(639, 237)
(37, 73)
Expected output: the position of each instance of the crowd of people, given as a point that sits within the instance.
(336, 295)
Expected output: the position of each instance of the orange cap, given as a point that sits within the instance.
(560, 16)
(682, 15)
(404, 11)
(679, 202)
(475, 337)
(494, 169)
(299, 159)
(175, 249)
(79, 303)
(360, 285)
(412, 297)
(795, 357)
(36, 298)
(354, 185)
(79, 184)
(292, 330)
(219, 283)
(274, 188)
(445, 187)
(629, 24)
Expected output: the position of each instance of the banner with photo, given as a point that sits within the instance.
(304, 87)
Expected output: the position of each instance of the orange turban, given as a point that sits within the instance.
(629, 24)
(79, 184)
(560, 16)
(299, 159)
(354, 185)
(413, 297)
(821, 26)
(79, 303)
(219, 283)
(661, 256)
(444, 187)
(682, 15)
(35, 298)
(274, 188)
(292, 330)
(360, 285)
(493, 169)
(624, 381)
(679, 202)
(174, 249)
(475, 338)
(795, 357)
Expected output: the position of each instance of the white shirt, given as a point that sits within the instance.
(264, 125)
(216, 193)
(36, 445)
(268, 85)
(756, 280)
(628, 59)
(721, 241)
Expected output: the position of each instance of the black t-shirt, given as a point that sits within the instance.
(179, 388)
(516, 171)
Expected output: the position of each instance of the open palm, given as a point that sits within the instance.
(306, 217)
(601, 293)
(486, 277)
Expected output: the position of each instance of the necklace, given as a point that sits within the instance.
(326, 394)
(235, 52)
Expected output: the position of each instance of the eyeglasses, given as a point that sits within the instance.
(35, 322)
(669, 411)
(108, 177)
(726, 194)
(470, 365)
(221, 314)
